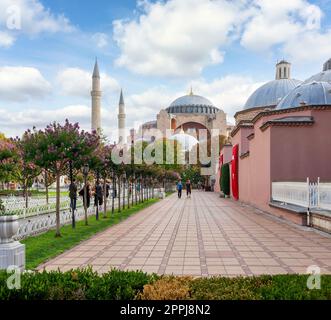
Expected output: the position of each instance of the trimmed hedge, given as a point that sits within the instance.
(76, 285)
(128, 285)
(225, 179)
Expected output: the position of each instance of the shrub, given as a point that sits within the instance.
(167, 288)
(128, 285)
(2, 208)
(225, 179)
(76, 285)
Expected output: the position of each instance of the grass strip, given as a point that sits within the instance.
(45, 246)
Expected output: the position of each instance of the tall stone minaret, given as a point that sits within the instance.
(96, 99)
(121, 120)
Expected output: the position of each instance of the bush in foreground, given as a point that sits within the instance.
(129, 285)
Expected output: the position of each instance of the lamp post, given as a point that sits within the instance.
(113, 192)
(97, 195)
(124, 180)
(135, 188)
(85, 171)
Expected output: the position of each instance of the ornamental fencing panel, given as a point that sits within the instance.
(305, 194)
(36, 206)
(37, 224)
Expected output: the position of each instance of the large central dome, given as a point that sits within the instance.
(192, 104)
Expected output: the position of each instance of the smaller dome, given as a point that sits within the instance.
(186, 141)
(271, 93)
(310, 94)
(325, 75)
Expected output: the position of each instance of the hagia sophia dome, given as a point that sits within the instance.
(192, 103)
(272, 92)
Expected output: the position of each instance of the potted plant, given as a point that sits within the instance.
(8, 225)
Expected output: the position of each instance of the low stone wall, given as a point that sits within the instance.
(321, 221)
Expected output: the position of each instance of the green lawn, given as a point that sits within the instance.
(33, 193)
(45, 246)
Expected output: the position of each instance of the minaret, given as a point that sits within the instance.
(121, 120)
(283, 70)
(96, 99)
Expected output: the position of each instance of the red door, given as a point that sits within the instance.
(234, 172)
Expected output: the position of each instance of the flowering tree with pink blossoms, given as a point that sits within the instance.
(8, 157)
(54, 147)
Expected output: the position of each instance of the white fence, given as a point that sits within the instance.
(305, 194)
(36, 206)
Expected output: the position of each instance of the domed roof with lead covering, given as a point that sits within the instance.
(271, 93)
(310, 94)
(192, 103)
(325, 75)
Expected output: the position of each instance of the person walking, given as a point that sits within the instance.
(88, 195)
(188, 188)
(98, 195)
(179, 188)
(73, 195)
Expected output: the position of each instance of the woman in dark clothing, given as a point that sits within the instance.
(88, 195)
(98, 195)
(188, 188)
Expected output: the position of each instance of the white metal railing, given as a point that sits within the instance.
(305, 194)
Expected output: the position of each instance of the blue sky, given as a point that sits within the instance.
(153, 50)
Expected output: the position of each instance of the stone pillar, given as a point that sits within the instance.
(12, 253)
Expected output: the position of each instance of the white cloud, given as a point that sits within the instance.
(228, 93)
(181, 37)
(294, 26)
(29, 17)
(146, 105)
(177, 37)
(100, 39)
(6, 40)
(14, 123)
(301, 51)
(78, 82)
(22, 83)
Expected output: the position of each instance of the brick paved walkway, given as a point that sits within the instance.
(204, 235)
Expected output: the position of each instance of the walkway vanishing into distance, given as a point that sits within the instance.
(201, 236)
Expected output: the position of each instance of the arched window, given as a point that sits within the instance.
(284, 72)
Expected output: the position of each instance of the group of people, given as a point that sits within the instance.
(96, 192)
(188, 188)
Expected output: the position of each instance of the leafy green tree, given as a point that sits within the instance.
(54, 147)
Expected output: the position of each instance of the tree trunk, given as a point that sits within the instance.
(58, 232)
(129, 194)
(132, 190)
(85, 201)
(46, 186)
(113, 194)
(26, 195)
(142, 190)
(119, 194)
(104, 197)
(135, 190)
(123, 200)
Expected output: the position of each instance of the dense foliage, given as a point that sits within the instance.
(225, 179)
(86, 284)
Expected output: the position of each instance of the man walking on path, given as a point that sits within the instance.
(179, 189)
(188, 188)
(73, 195)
